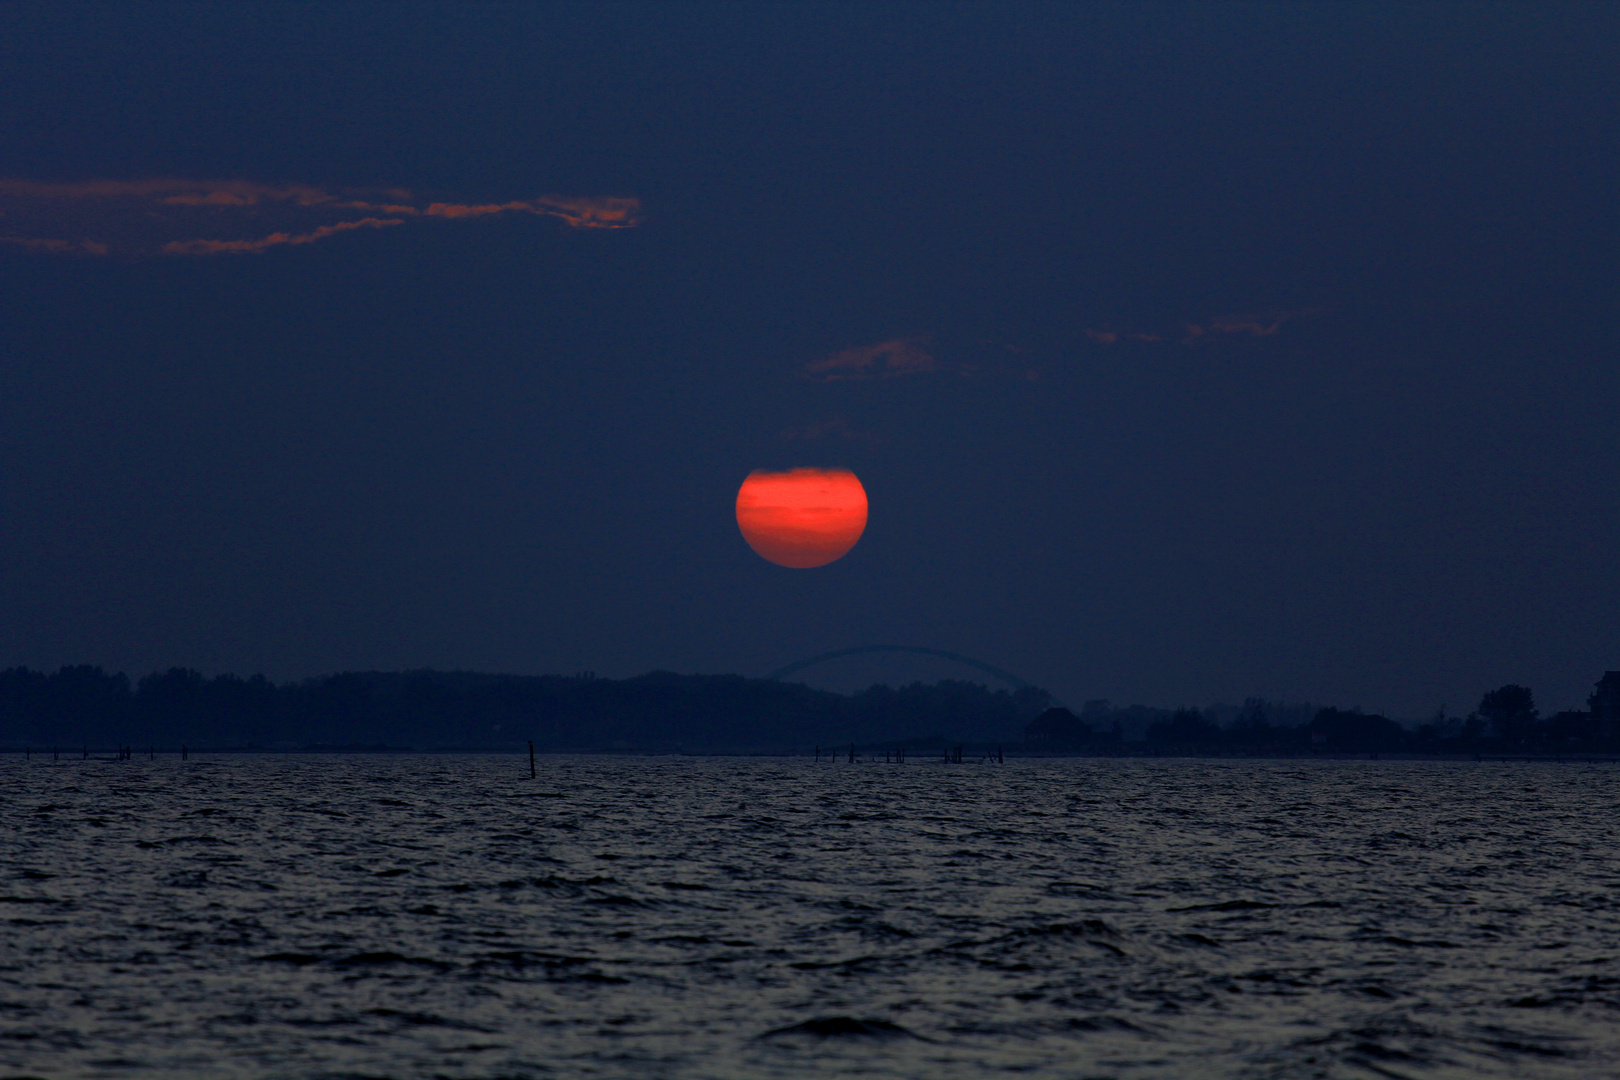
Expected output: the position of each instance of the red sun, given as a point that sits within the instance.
(802, 518)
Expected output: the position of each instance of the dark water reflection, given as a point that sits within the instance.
(404, 916)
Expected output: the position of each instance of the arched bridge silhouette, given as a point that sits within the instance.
(862, 650)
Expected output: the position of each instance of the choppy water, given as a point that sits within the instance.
(405, 916)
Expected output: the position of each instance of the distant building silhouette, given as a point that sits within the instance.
(1605, 705)
(1056, 729)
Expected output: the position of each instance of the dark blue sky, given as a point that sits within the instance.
(1264, 349)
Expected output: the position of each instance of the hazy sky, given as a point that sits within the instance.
(1185, 352)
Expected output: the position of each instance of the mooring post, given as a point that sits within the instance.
(87, 753)
(185, 752)
(999, 759)
(852, 753)
(531, 759)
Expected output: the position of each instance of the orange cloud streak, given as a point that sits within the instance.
(132, 216)
(238, 247)
(459, 210)
(603, 213)
(579, 213)
(171, 192)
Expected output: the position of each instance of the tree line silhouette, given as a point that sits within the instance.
(434, 710)
(467, 710)
(1506, 721)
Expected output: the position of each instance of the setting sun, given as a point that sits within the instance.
(802, 518)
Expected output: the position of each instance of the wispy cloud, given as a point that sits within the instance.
(173, 216)
(885, 360)
(173, 191)
(835, 428)
(603, 213)
(55, 247)
(216, 247)
(1251, 325)
(1210, 330)
(1114, 337)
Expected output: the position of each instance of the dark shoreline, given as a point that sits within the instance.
(975, 755)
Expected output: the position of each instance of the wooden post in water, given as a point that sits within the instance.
(531, 759)
(852, 753)
(185, 753)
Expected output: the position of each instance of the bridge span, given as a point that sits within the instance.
(861, 650)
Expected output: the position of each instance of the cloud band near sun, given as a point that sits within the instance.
(234, 217)
(884, 360)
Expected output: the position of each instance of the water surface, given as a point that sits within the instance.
(402, 916)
